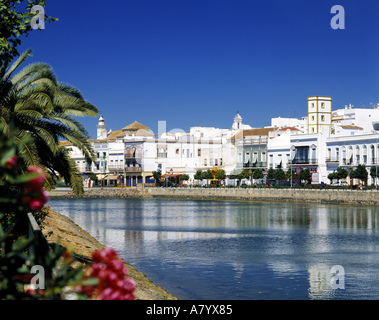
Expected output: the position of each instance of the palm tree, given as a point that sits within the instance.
(34, 104)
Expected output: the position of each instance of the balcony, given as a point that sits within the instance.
(255, 165)
(347, 162)
(303, 161)
(133, 169)
(113, 167)
(332, 159)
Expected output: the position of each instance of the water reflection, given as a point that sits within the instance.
(265, 250)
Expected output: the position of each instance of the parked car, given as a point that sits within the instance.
(168, 184)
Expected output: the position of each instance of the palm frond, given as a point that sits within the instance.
(17, 63)
(40, 111)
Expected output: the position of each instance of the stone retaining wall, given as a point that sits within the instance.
(331, 196)
(307, 195)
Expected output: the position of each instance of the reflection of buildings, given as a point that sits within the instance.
(320, 286)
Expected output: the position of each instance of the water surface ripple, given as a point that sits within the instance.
(199, 249)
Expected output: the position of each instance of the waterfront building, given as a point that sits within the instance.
(252, 148)
(321, 141)
(132, 154)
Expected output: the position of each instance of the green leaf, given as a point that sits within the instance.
(24, 178)
(7, 155)
(90, 282)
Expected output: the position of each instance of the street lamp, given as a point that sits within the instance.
(292, 150)
(103, 170)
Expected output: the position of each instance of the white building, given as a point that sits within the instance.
(130, 155)
(321, 141)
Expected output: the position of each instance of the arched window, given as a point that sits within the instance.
(247, 157)
(364, 154)
(357, 155)
(372, 154)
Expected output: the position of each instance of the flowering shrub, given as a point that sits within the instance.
(21, 190)
(111, 273)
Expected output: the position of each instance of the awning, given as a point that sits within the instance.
(235, 171)
(350, 155)
(112, 177)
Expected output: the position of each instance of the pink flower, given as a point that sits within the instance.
(36, 184)
(36, 205)
(35, 197)
(111, 272)
(11, 162)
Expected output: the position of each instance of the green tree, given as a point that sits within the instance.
(220, 174)
(360, 173)
(207, 174)
(184, 177)
(279, 174)
(157, 175)
(271, 174)
(244, 174)
(288, 174)
(257, 174)
(332, 176)
(305, 174)
(43, 109)
(94, 177)
(14, 23)
(341, 173)
(198, 175)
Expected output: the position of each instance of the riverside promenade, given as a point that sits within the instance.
(342, 196)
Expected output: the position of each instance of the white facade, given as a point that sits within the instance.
(345, 137)
(357, 119)
(300, 124)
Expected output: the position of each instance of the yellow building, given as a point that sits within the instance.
(319, 114)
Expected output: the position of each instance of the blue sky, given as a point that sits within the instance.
(196, 62)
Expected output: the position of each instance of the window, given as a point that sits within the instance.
(177, 151)
(216, 162)
(322, 118)
(312, 130)
(247, 157)
(313, 118)
(161, 153)
(323, 105)
(255, 157)
(205, 162)
(263, 156)
(220, 161)
(364, 154)
(199, 152)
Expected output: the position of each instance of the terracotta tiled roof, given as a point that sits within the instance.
(289, 128)
(352, 127)
(135, 126)
(253, 132)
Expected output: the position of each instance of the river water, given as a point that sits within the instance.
(204, 250)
